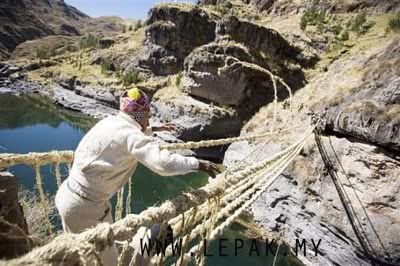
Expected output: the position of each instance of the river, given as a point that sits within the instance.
(34, 124)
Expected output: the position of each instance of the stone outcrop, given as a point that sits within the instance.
(303, 203)
(172, 32)
(371, 113)
(231, 71)
(14, 230)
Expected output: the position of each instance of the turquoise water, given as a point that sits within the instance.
(33, 124)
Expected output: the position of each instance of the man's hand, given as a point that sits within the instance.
(210, 168)
(166, 127)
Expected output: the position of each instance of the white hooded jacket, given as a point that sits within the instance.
(108, 154)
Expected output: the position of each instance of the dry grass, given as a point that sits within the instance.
(34, 215)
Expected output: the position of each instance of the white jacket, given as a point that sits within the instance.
(108, 154)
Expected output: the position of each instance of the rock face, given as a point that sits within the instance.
(22, 20)
(197, 121)
(235, 69)
(281, 7)
(303, 202)
(172, 33)
(371, 113)
(13, 225)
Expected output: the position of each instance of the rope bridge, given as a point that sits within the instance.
(198, 214)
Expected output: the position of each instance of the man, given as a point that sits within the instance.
(105, 159)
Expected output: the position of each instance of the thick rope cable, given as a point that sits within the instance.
(218, 230)
(120, 204)
(212, 142)
(128, 209)
(239, 200)
(39, 187)
(33, 158)
(58, 174)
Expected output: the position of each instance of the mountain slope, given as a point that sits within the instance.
(22, 20)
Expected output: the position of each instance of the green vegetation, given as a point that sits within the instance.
(130, 78)
(106, 65)
(330, 23)
(88, 41)
(221, 9)
(394, 24)
(138, 25)
(45, 53)
(359, 21)
(178, 79)
(314, 17)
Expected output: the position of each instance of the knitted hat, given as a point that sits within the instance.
(134, 100)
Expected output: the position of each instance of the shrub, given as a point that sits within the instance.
(106, 65)
(88, 41)
(359, 21)
(345, 36)
(313, 16)
(130, 78)
(80, 65)
(178, 79)
(45, 53)
(223, 10)
(138, 25)
(130, 28)
(394, 24)
(123, 28)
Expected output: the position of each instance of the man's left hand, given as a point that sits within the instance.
(166, 127)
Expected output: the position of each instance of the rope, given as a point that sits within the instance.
(128, 198)
(58, 174)
(279, 167)
(218, 230)
(125, 228)
(120, 203)
(39, 187)
(359, 232)
(33, 158)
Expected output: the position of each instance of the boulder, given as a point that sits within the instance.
(235, 69)
(14, 239)
(172, 32)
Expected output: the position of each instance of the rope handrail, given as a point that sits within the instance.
(35, 158)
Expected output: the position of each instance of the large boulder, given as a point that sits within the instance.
(172, 32)
(14, 240)
(235, 70)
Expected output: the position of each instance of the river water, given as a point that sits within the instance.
(33, 124)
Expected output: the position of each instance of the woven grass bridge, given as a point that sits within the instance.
(194, 215)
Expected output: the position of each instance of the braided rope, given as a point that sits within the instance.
(262, 188)
(277, 167)
(39, 187)
(58, 174)
(34, 158)
(128, 198)
(120, 203)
